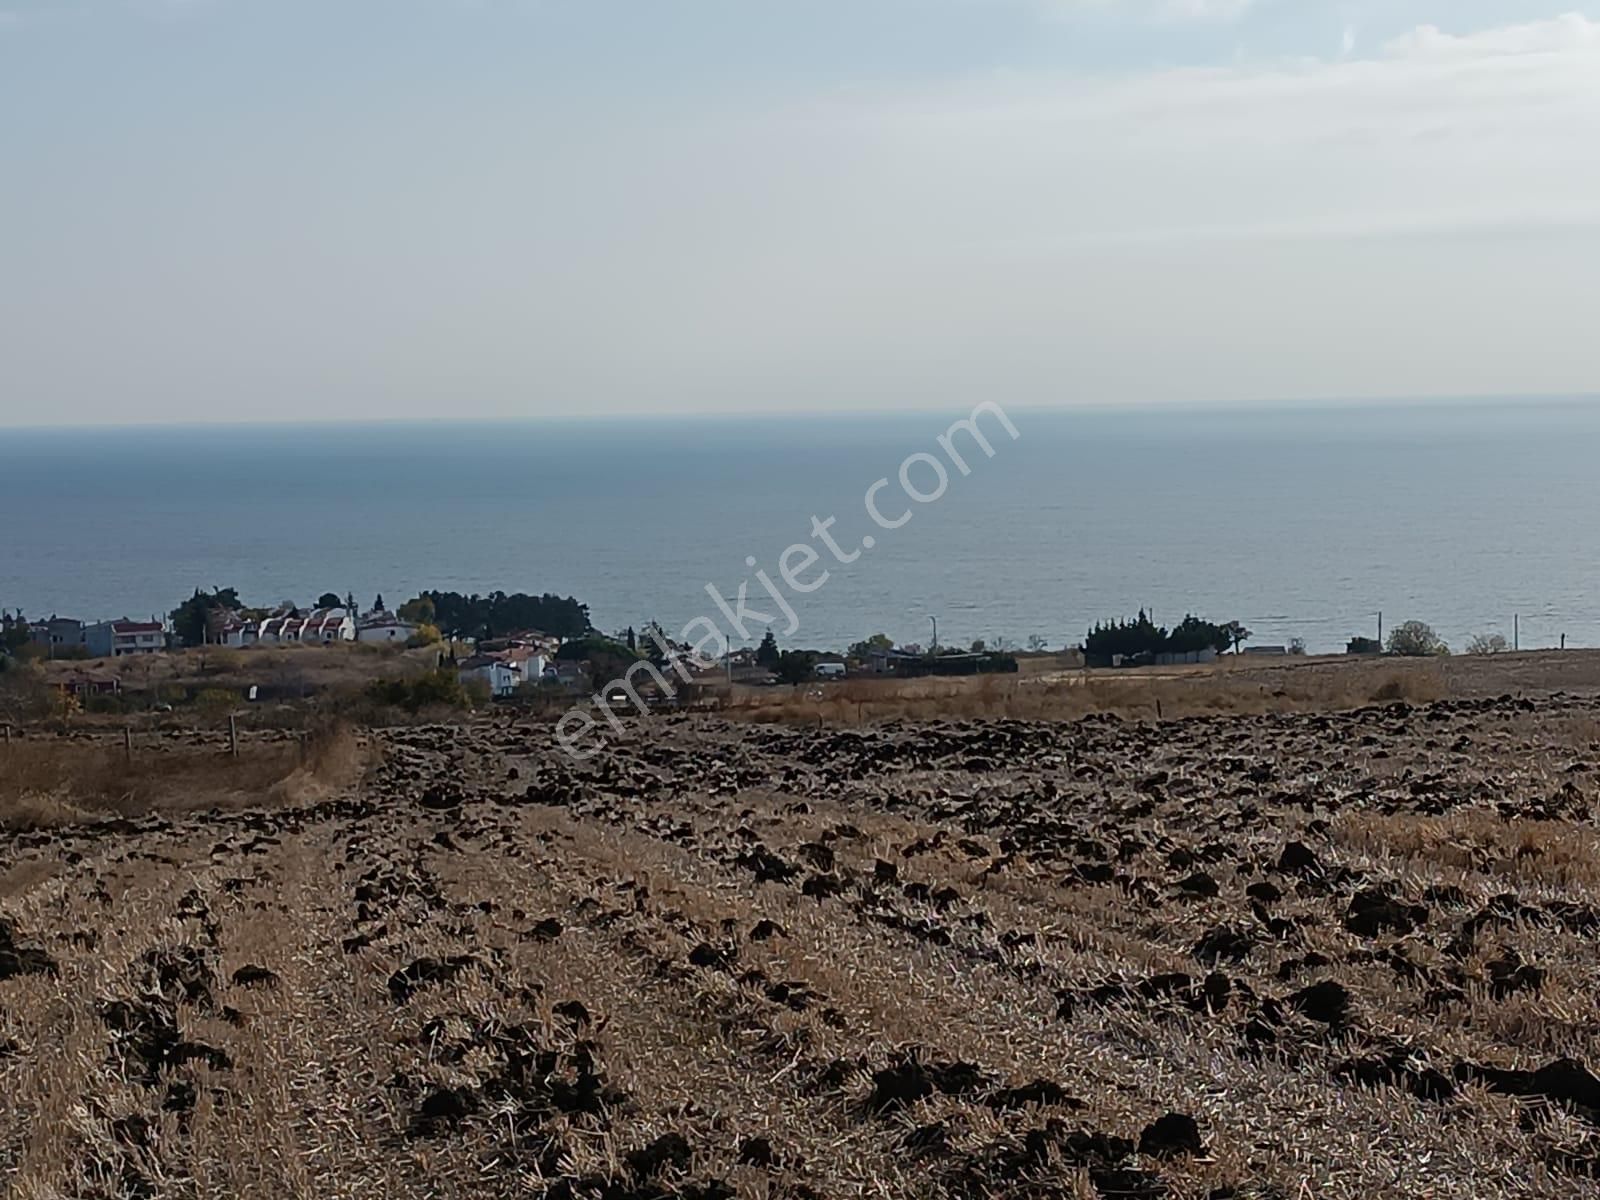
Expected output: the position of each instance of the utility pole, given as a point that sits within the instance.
(935, 621)
(1380, 627)
(1516, 631)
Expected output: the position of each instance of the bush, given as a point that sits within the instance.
(24, 694)
(438, 688)
(1488, 643)
(216, 701)
(108, 705)
(1415, 639)
(426, 635)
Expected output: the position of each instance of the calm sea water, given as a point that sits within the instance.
(1301, 523)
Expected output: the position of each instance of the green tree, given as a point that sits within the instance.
(13, 632)
(767, 653)
(377, 603)
(418, 611)
(795, 666)
(328, 600)
(863, 650)
(476, 617)
(1237, 635)
(191, 619)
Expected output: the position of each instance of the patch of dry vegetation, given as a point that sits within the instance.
(1256, 954)
(51, 781)
(1133, 695)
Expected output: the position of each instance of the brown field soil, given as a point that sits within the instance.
(1284, 954)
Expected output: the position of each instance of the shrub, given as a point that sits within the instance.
(426, 635)
(216, 701)
(1416, 639)
(437, 688)
(23, 691)
(1488, 643)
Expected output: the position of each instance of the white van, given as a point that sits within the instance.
(830, 670)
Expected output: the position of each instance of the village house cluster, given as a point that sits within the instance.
(505, 665)
(69, 637)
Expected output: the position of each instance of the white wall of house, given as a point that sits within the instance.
(103, 640)
(388, 631)
(501, 678)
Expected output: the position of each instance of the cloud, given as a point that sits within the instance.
(1563, 34)
(1418, 219)
(1442, 188)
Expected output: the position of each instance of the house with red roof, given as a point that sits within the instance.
(121, 638)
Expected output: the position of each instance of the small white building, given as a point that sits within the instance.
(384, 627)
(501, 678)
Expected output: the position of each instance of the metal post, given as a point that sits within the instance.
(127, 743)
(233, 735)
(1516, 631)
(935, 648)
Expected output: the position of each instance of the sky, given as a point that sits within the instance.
(224, 210)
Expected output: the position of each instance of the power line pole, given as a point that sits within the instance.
(935, 621)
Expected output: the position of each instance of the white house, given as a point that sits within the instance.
(530, 663)
(502, 678)
(384, 627)
(118, 639)
(323, 625)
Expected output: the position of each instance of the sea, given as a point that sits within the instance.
(1302, 522)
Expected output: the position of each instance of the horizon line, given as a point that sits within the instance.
(1298, 405)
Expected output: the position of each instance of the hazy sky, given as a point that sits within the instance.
(222, 209)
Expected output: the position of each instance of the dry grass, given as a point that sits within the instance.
(48, 782)
(1133, 695)
(952, 960)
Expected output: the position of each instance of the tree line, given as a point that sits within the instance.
(1142, 637)
(467, 617)
(477, 618)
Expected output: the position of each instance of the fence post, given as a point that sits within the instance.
(233, 735)
(127, 743)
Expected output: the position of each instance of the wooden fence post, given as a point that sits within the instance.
(233, 735)
(127, 743)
